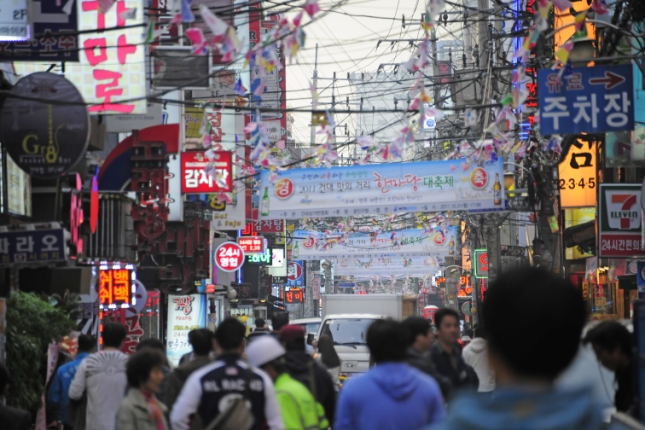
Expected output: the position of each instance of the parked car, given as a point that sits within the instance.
(311, 326)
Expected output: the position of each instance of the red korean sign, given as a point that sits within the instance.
(252, 244)
(115, 287)
(195, 178)
(270, 226)
(229, 256)
(294, 295)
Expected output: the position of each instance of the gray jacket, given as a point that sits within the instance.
(133, 413)
(102, 376)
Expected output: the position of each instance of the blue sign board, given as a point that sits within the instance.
(640, 280)
(32, 246)
(591, 100)
(346, 285)
(50, 41)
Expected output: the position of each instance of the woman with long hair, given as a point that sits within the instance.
(328, 356)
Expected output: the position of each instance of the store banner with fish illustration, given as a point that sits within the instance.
(428, 186)
(314, 245)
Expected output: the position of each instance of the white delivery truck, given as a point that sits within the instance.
(346, 319)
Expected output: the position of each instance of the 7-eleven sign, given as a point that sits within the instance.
(619, 221)
(623, 210)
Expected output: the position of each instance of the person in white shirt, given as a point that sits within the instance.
(476, 356)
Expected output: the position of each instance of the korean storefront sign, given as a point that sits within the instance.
(14, 20)
(185, 313)
(264, 259)
(116, 286)
(577, 175)
(619, 221)
(313, 245)
(195, 179)
(591, 100)
(252, 244)
(294, 295)
(295, 273)
(111, 72)
(384, 188)
(229, 256)
(32, 246)
(53, 29)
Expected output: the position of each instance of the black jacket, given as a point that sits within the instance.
(423, 363)
(14, 419)
(299, 365)
(461, 377)
(257, 332)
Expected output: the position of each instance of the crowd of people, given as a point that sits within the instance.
(522, 368)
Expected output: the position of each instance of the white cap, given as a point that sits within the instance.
(263, 350)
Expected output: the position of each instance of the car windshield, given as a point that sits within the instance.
(312, 327)
(347, 331)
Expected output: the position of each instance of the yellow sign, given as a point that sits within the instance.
(573, 217)
(577, 180)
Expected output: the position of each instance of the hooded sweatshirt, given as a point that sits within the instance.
(521, 409)
(391, 396)
(300, 366)
(476, 356)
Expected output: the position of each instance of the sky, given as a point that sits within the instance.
(347, 42)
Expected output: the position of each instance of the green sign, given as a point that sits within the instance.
(480, 263)
(265, 259)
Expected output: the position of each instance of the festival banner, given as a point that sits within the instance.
(428, 186)
(388, 265)
(313, 245)
(185, 313)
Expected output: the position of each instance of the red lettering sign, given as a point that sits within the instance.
(229, 256)
(252, 244)
(115, 287)
(198, 179)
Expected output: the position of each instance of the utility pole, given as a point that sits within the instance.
(315, 84)
(484, 37)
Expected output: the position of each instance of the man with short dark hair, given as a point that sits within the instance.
(260, 329)
(210, 389)
(420, 342)
(279, 320)
(614, 348)
(102, 377)
(58, 393)
(11, 418)
(446, 352)
(392, 395)
(202, 343)
(302, 366)
(534, 321)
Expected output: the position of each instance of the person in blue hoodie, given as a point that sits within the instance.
(392, 395)
(534, 321)
(58, 394)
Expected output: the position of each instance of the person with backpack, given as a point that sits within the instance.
(299, 408)
(221, 392)
(303, 368)
(58, 393)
